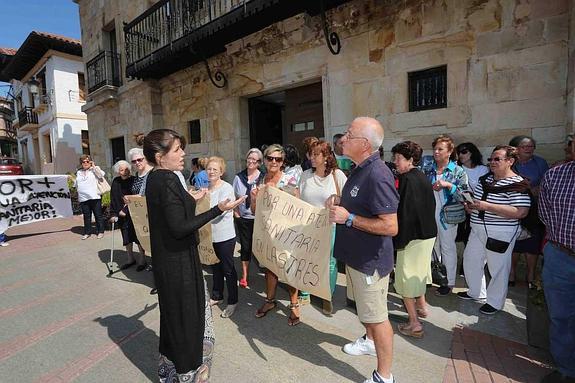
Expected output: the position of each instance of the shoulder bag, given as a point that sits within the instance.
(453, 213)
(103, 185)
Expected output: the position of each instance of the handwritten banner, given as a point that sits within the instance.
(293, 240)
(139, 214)
(205, 247)
(27, 199)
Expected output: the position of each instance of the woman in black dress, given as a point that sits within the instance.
(186, 330)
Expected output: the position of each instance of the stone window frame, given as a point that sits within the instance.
(194, 132)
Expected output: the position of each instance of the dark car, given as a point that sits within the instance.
(10, 167)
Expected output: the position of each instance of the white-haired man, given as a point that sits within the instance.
(366, 218)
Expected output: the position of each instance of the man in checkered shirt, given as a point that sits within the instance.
(557, 211)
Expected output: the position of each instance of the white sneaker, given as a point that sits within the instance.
(361, 346)
(229, 311)
(85, 236)
(100, 236)
(376, 378)
(4, 244)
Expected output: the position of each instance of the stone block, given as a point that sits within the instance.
(549, 135)
(500, 85)
(234, 47)
(341, 103)
(457, 83)
(485, 17)
(528, 56)
(546, 8)
(435, 17)
(294, 23)
(477, 93)
(367, 98)
(408, 25)
(557, 28)
(545, 80)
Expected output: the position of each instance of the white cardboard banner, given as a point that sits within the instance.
(27, 199)
(293, 240)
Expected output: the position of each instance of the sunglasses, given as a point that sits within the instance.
(274, 159)
(496, 159)
(86, 161)
(463, 151)
(137, 160)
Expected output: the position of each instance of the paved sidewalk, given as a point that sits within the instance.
(63, 320)
(483, 358)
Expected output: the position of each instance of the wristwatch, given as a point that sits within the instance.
(349, 220)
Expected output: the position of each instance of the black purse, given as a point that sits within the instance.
(438, 272)
(496, 245)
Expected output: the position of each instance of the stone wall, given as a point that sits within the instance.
(507, 63)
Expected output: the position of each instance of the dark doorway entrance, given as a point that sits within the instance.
(287, 117)
(266, 120)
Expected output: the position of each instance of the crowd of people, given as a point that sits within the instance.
(386, 217)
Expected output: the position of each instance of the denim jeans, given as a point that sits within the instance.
(559, 285)
(225, 269)
(2, 237)
(92, 206)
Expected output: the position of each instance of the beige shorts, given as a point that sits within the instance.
(370, 294)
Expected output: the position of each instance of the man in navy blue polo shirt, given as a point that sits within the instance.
(366, 222)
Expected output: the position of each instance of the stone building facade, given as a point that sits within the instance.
(509, 71)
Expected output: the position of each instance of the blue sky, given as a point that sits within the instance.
(20, 17)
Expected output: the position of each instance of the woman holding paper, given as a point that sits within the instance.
(122, 186)
(223, 239)
(90, 199)
(274, 156)
(316, 186)
(186, 325)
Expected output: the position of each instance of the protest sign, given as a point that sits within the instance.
(27, 199)
(293, 240)
(139, 214)
(205, 247)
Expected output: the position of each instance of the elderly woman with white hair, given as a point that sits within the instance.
(122, 186)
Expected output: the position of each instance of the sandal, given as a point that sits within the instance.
(422, 313)
(293, 320)
(404, 329)
(260, 313)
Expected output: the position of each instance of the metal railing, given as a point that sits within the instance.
(104, 69)
(169, 20)
(27, 116)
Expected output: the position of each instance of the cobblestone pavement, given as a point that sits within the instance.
(63, 320)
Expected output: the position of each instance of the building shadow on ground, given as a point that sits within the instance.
(137, 342)
(129, 275)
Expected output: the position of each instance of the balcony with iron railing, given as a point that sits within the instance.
(27, 118)
(174, 34)
(103, 70)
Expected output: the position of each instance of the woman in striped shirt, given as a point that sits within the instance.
(501, 199)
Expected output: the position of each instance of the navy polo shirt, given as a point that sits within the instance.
(368, 192)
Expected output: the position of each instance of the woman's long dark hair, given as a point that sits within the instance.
(476, 156)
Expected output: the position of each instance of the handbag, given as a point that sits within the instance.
(453, 213)
(438, 272)
(103, 186)
(496, 245)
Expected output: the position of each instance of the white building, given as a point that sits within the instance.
(47, 76)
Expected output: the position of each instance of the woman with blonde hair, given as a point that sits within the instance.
(223, 238)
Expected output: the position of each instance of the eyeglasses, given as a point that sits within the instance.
(137, 160)
(496, 159)
(463, 151)
(274, 159)
(86, 161)
(348, 135)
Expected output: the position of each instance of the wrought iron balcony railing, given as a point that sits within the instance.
(104, 69)
(27, 116)
(174, 34)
